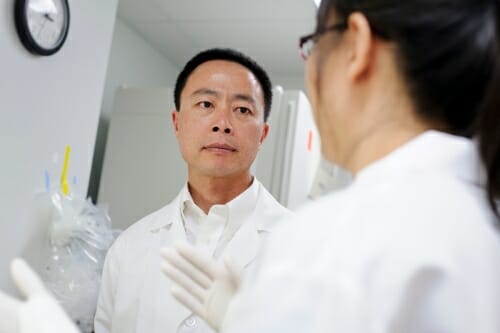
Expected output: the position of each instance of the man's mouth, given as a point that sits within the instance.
(220, 147)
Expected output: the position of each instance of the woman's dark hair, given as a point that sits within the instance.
(228, 55)
(448, 51)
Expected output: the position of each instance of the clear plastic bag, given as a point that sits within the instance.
(79, 236)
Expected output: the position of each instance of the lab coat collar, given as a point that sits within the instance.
(431, 150)
(244, 245)
(166, 217)
(237, 209)
(243, 218)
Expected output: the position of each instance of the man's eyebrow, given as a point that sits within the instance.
(246, 98)
(240, 97)
(205, 91)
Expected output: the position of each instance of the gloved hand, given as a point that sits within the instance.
(202, 284)
(40, 313)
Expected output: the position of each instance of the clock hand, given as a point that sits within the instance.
(48, 17)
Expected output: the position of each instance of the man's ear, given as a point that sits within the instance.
(361, 44)
(175, 122)
(265, 131)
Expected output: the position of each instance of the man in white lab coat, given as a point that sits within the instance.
(222, 101)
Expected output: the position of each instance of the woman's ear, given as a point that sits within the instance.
(361, 45)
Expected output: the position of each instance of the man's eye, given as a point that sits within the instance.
(244, 110)
(205, 104)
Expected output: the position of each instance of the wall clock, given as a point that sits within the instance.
(42, 25)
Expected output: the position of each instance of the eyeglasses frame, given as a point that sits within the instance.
(314, 37)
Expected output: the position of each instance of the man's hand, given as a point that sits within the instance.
(202, 284)
(40, 313)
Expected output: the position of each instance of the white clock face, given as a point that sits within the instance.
(47, 21)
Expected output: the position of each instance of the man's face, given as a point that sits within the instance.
(220, 124)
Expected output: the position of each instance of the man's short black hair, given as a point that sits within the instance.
(228, 55)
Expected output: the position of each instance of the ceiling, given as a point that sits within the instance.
(266, 30)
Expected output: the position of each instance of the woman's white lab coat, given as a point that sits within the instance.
(135, 296)
(410, 246)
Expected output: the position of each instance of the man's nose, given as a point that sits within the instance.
(227, 130)
(223, 122)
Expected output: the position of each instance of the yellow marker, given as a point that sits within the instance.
(64, 174)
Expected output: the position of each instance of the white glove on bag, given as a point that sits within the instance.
(202, 284)
(40, 313)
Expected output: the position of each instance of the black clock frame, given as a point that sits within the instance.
(21, 19)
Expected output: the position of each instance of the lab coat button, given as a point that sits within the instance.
(190, 322)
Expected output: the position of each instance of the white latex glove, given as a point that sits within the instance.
(40, 313)
(202, 284)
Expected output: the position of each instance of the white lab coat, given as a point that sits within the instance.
(135, 295)
(410, 246)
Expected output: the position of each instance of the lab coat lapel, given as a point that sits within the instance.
(244, 246)
(159, 310)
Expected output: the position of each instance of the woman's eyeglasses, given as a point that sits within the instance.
(307, 43)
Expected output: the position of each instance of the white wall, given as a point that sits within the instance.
(132, 63)
(289, 82)
(46, 103)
